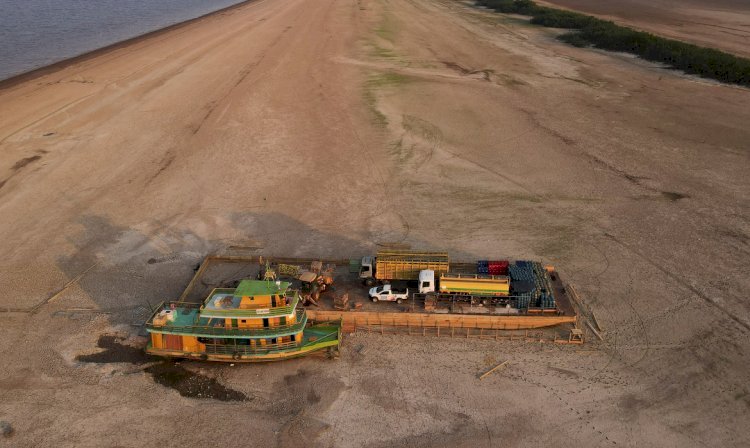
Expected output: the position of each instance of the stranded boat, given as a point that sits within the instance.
(257, 321)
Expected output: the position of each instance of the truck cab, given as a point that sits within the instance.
(367, 271)
(426, 281)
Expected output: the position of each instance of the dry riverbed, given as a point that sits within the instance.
(326, 128)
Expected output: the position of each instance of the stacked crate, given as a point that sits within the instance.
(537, 291)
(546, 299)
(498, 267)
(533, 287)
(483, 267)
(521, 271)
(523, 300)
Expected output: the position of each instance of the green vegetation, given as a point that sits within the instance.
(387, 28)
(590, 31)
(387, 79)
(377, 81)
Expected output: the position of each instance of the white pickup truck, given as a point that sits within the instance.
(387, 293)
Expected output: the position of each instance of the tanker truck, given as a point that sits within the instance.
(470, 288)
(390, 265)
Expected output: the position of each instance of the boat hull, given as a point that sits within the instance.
(316, 338)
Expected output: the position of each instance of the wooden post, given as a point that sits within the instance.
(596, 322)
(594, 330)
(484, 375)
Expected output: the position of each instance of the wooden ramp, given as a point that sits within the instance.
(451, 323)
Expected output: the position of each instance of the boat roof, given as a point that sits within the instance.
(228, 303)
(222, 300)
(251, 288)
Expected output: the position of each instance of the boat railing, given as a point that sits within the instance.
(291, 301)
(220, 349)
(173, 306)
(234, 332)
(231, 349)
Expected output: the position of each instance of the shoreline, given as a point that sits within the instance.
(67, 62)
(677, 25)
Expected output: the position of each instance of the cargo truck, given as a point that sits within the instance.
(390, 265)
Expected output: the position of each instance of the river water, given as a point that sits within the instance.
(35, 33)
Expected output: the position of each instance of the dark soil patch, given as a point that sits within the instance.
(193, 385)
(166, 373)
(313, 397)
(116, 352)
(25, 161)
(6, 429)
(457, 67)
(301, 377)
(566, 372)
(674, 196)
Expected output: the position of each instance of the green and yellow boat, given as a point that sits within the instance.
(260, 320)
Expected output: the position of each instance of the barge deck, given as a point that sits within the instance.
(223, 270)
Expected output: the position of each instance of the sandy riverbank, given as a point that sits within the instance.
(326, 128)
